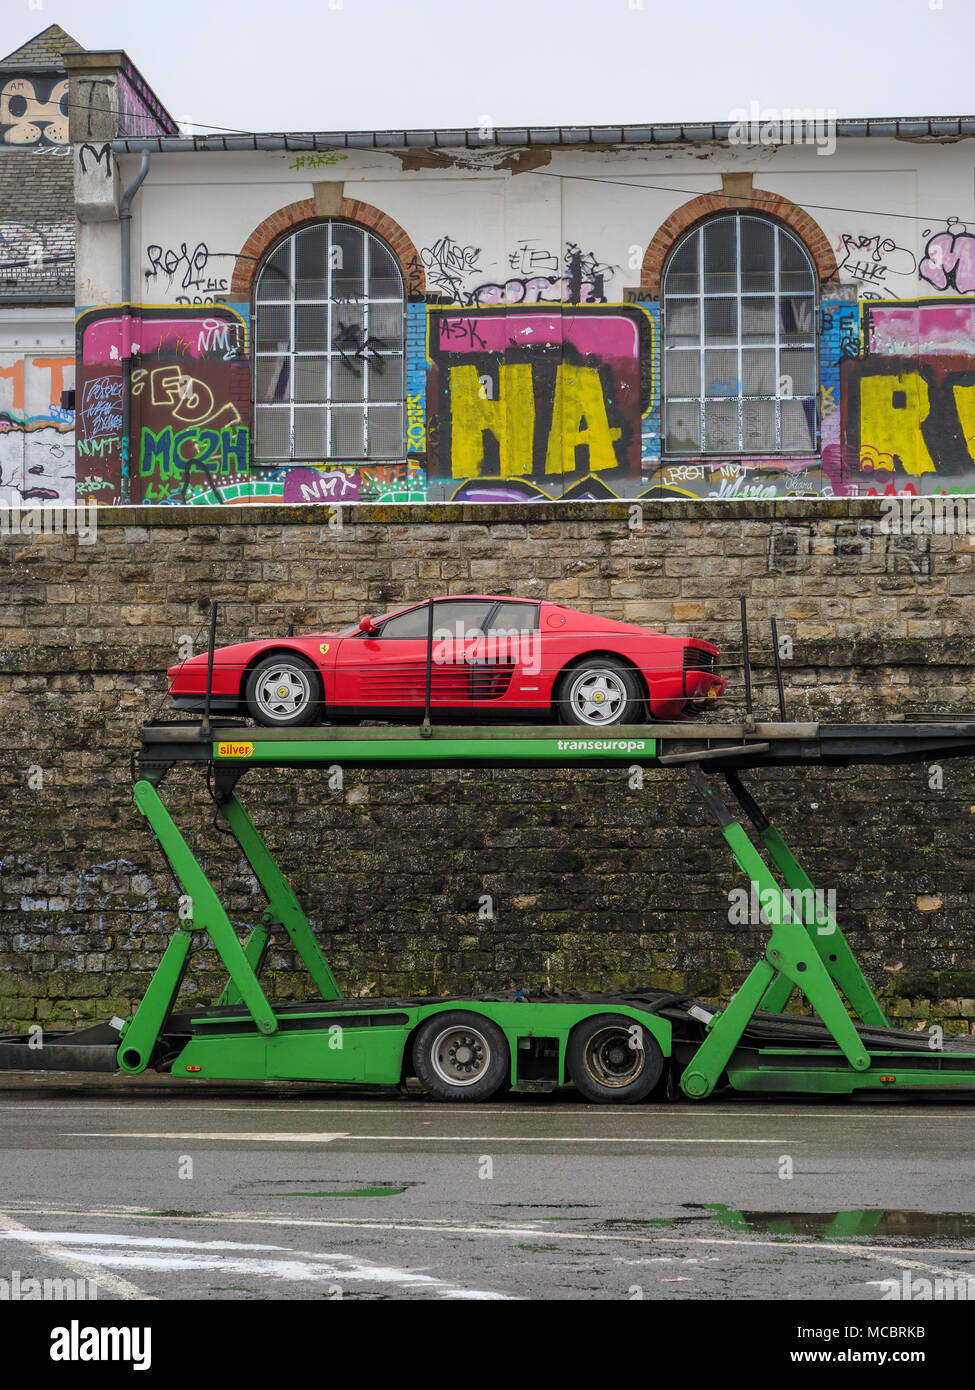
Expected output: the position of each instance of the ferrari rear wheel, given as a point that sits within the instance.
(283, 692)
(600, 692)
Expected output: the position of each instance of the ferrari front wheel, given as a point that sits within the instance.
(283, 692)
(599, 693)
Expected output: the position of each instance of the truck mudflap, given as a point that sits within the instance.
(88, 1049)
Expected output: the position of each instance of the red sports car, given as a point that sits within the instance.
(497, 658)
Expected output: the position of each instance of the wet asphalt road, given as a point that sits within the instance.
(261, 1192)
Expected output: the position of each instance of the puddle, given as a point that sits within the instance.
(846, 1225)
(273, 1188)
(173, 1211)
(353, 1192)
(547, 1206)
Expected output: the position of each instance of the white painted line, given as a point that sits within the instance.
(44, 1244)
(883, 1253)
(276, 1138)
(179, 1134)
(166, 1256)
(870, 1252)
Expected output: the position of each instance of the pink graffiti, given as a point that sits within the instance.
(609, 335)
(201, 336)
(949, 260)
(896, 330)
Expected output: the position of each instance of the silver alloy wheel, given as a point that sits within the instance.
(611, 1059)
(283, 690)
(596, 695)
(460, 1055)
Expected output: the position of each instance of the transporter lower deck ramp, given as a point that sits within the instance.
(617, 1046)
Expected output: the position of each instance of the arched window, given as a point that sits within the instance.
(328, 333)
(739, 335)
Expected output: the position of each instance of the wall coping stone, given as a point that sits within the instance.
(792, 509)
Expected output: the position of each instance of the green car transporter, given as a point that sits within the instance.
(615, 1047)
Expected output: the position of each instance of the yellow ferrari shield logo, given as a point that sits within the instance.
(323, 647)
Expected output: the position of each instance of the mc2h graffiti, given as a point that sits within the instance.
(186, 371)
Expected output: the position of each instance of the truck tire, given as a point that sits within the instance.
(613, 1060)
(461, 1056)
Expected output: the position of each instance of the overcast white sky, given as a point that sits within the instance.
(297, 65)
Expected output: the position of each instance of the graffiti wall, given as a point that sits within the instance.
(529, 403)
(36, 429)
(33, 109)
(188, 379)
(547, 396)
(527, 362)
(908, 398)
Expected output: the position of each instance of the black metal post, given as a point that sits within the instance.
(778, 670)
(744, 657)
(205, 726)
(426, 728)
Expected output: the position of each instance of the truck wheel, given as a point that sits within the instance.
(613, 1060)
(283, 691)
(461, 1056)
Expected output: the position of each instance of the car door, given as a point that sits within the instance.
(506, 661)
(389, 669)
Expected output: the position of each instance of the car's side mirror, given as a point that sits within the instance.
(367, 626)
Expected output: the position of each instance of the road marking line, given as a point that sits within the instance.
(886, 1253)
(449, 1228)
(42, 1243)
(179, 1134)
(278, 1138)
(868, 1251)
(166, 1255)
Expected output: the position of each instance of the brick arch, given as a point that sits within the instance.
(290, 218)
(771, 205)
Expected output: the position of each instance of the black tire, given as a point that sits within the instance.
(612, 1060)
(440, 1062)
(299, 692)
(610, 685)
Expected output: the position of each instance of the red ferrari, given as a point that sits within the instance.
(497, 658)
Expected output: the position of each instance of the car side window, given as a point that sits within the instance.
(516, 617)
(451, 618)
(410, 624)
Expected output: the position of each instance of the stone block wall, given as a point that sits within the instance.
(593, 883)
